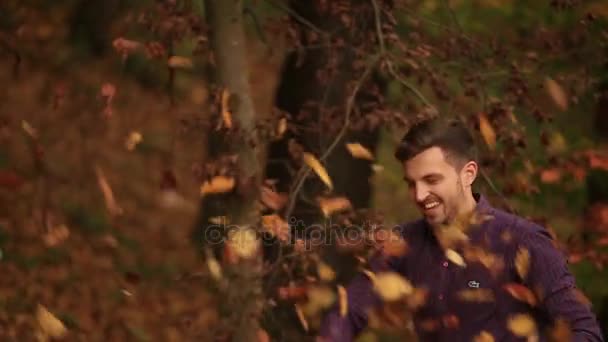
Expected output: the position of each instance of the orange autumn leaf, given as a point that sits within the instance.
(342, 300)
(450, 321)
(454, 257)
(50, 326)
(301, 317)
(226, 115)
(391, 286)
(487, 131)
(272, 199)
(550, 176)
(358, 151)
(276, 226)
(217, 185)
(262, 336)
(476, 295)
(108, 194)
(484, 336)
(390, 242)
(315, 165)
(521, 293)
(560, 331)
(331, 205)
(180, 62)
(281, 127)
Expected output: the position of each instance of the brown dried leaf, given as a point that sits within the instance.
(454, 257)
(243, 242)
(226, 115)
(476, 295)
(390, 242)
(301, 317)
(281, 128)
(50, 325)
(560, 331)
(314, 164)
(276, 226)
(262, 336)
(133, 140)
(331, 205)
(550, 176)
(391, 286)
(218, 184)
(108, 194)
(522, 325)
(521, 293)
(272, 199)
(343, 301)
(557, 93)
(325, 272)
(358, 151)
(487, 131)
(522, 262)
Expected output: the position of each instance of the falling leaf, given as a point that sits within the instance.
(429, 325)
(180, 62)
(343, 301)
(301, 317)
(300, 292)
(125, 46)
(272, 199)
(450, 321)
(226, 115)
(31, 131)
(557, 93)
(550, 176)
(417, 299)
(314, 164)
(522, 262)
(218, 220)
(557, 143)
(281, 127)
(390, 242)
(522, 325)
(476, 295)
(377, 168)
(133, 140)
(560, 331)
(358, 151)
(487, 131)
(331, 205)
(391, 286)
(108, 194)
(483, 336)
(454, 257)
(218, 184)
(276, 226)
(50, 325)
(243, 242)
(262, 336)
(521, 293)
(326, 273)
(477, 254)
(215, 269)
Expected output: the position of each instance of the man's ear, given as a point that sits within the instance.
(469, 173)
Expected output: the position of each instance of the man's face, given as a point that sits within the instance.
(435, 186)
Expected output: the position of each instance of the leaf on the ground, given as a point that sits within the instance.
(180, 62)
(108, 194)
(314, 164)
(217, 185)
(276, 226)
(133, 140)
(391, 286)
(31, 131)
(521, 293)
(522, 262)
(454, 257)
(487, 131)
(226, 113)
(50, 325)
(126, 46)
(476, 295)
(522, 325)
(358, 151)
(325, 272)
(334, 204)
(342, 300)
(243, 242)
(557, 93)
(56, 235)
(483, 336)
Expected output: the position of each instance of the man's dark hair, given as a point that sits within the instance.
(451, 135)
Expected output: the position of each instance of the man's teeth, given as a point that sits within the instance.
(431, 205)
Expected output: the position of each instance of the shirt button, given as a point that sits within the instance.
(445, 264)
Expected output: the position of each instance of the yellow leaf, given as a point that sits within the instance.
(281, 127)
(276, 226)
(391, 286)
(326, 273)
(218, 184)
(50, 325)
(108, 194)
(243, 242)
(226, 115)
(314, 164)
(180, 62)
(454, 257)
(522, 325)
(377, 167)
(218, 220)
(132, 141)
(557, 93)
(343, 301)
(332, 205)
(31, 131)
(358, 151)
(522, 262)
(487, 131)
(215, 269)
(476, 295)
(390, 242)
(484, 336)
(301, 317)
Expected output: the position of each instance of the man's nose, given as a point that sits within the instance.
(421, 193)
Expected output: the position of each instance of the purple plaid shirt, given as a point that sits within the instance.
(425, 265)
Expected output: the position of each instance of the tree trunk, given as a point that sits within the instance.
(241, 301)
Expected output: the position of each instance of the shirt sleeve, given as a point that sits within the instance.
(360, 297)
(548, 274)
